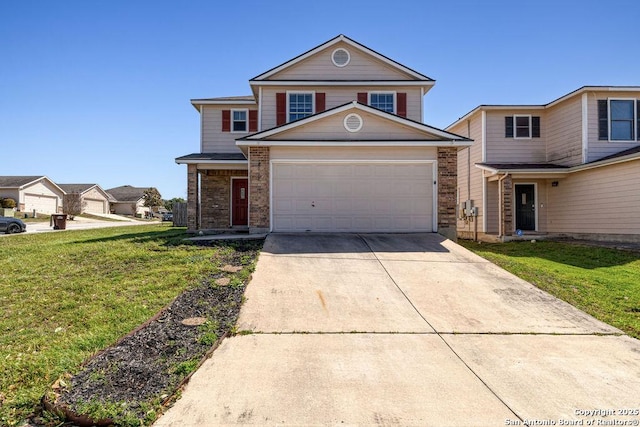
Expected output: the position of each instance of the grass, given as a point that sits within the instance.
(600, 281)
(66, 295)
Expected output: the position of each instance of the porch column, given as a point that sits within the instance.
(259, 214)
(447, 184)
(506, 205)
(193, 202)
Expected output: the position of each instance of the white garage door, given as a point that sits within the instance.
(41, 204)
(353, 196)
(94, 206)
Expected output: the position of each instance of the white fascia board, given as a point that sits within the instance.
(424, 83)
(494, 171)
(196, 102)
(623, 159)
(350, 143)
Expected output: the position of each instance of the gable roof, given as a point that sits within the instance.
(342, 38)
(76, 188)
(18, 181)
(224, 100)
(579, 91)
(432, 136)
(127, 193)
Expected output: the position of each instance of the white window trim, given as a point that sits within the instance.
(246, 111)
(635, 119)
(301, 92)
(384, 92)
(515, 126)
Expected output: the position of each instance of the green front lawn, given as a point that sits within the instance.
(600, 281)
(65, 295)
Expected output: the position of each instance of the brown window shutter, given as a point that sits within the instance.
(281, 108)
(508, 127)
(226, 120)
(401, 109)
(363, 98)
(253, 120)
(320, 102)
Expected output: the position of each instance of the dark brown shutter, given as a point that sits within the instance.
(226, 120)
(320, 102)
(638, 120)
(402, 104)
(535, 127)
(253, 120)
(281, 108)
(508, 127)
(363, 98)
(603, 120)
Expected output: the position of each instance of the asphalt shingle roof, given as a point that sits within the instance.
(127, 193)
(17, 181)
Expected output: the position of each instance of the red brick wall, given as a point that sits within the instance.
(215, 195)
(447, 184)
(192, 199)
(259, 189)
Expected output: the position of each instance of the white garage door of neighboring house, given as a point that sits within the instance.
(362, 196)
(41, 204)
(94, 206)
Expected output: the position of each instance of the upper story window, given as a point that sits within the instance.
(521, 126)
(383, 101)
(618, 119)
(239, 120)
(300, 105)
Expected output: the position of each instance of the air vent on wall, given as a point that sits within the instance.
(353, 122)
(340, 57)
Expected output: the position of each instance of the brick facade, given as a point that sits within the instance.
(215, 194)
(506, 197)
(259, 220)
(193, 204)
(447, 185)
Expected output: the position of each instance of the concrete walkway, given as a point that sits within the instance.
(406, 330)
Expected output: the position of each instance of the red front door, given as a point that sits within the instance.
(239, 202)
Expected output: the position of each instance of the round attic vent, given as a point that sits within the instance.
(353, 122)
(340, 57)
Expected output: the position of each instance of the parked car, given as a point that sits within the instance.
(11, 225)
(167, 216)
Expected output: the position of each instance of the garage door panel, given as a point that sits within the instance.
(353, 197)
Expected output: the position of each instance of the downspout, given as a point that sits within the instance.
(500, 206)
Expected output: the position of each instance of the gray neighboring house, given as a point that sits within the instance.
(32, 193)
(94, 198)
(122, 200)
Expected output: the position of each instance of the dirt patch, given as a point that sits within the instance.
(130, 381)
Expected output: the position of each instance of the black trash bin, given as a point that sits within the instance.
(59, 221)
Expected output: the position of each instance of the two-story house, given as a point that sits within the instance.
(570, 167)
(331, 140)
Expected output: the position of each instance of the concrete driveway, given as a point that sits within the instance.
(406, 329)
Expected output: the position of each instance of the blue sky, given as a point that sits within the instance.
(98, 91)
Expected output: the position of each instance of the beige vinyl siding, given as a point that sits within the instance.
(514, 150)
(321, 67)
(563, 130)
(467, 159)
(336, 96)
(599, 200)
(213, 139)
(493, 215)
(354, 153)
(373, 127)
(599, 149)
(95, 201)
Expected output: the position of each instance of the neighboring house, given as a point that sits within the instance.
(331, 140)
(93, 198)
(128, 200)
(32, 193)
(570, 167)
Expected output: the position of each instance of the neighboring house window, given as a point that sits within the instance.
(618, 119)
(382, 101)
(522, 127)
(239, 120)
(300, 105)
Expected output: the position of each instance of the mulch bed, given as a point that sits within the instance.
(129, 380)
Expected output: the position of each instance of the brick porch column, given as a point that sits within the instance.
(259, 189)
(506, 207)
(193, 203)
(447, 184)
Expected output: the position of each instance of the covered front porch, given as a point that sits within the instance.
(515, 199)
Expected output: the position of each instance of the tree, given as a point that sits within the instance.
(72, 204)
(152, 198)
(168, 204)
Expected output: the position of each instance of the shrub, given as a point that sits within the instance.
(8, 203)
